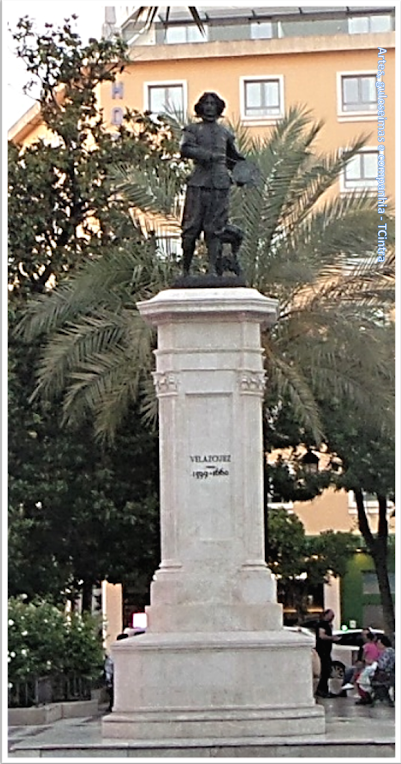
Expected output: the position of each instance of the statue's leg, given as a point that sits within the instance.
(214, 248)
(191, 225)
(215, 221)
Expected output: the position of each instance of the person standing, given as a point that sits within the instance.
(324, 644)
(109, 672)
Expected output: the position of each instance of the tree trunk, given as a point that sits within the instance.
(378, 549)
(87, 596)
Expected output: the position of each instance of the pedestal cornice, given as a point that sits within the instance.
(202, 304)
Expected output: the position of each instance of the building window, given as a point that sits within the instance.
(371, 585)
(367, 24)
(117, 116)
(361, 171)
(358, 93)
(261, 30)
(166, 98)
(117, 89)
(262, 98)
(183, 34)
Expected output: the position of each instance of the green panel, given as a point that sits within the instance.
(353, 600)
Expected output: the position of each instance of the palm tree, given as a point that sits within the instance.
(298, 247)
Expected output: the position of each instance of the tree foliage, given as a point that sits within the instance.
(301, 562)
(359, 448)
(363, 461)
(63, 179)
(77, 512)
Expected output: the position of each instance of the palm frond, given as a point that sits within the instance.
(147, 191)
(111, 278)
(70, 347)
(286, 380)
(105, 383)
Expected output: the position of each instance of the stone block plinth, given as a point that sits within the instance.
(215, 661)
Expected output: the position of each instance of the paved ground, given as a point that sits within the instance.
(351, 732)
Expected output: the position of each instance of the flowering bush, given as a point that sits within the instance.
(43, 640)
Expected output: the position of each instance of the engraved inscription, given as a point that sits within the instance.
(213, 458)
(204, 474)
(207, 465)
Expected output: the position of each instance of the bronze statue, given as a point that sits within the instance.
(212, 148)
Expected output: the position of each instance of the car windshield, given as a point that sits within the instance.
(353, 640)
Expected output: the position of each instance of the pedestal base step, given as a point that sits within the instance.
(240, 724)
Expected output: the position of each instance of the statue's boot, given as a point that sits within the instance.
(187, 255)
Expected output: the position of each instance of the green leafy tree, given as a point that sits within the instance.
(301, 562)
(364, 462)
(78, 512)
(60, 180)
(63, 178)
(72, 521)
(361, 448)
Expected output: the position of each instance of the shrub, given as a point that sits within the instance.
(43, 640)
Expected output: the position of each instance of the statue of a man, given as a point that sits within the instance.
(212, 148)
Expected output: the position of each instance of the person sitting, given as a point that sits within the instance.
(383, 679)
(351, 673)
(371, 654)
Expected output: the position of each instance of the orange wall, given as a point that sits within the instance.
(330, 511)
(326, 512)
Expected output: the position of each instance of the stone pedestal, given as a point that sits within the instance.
(215, 661)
